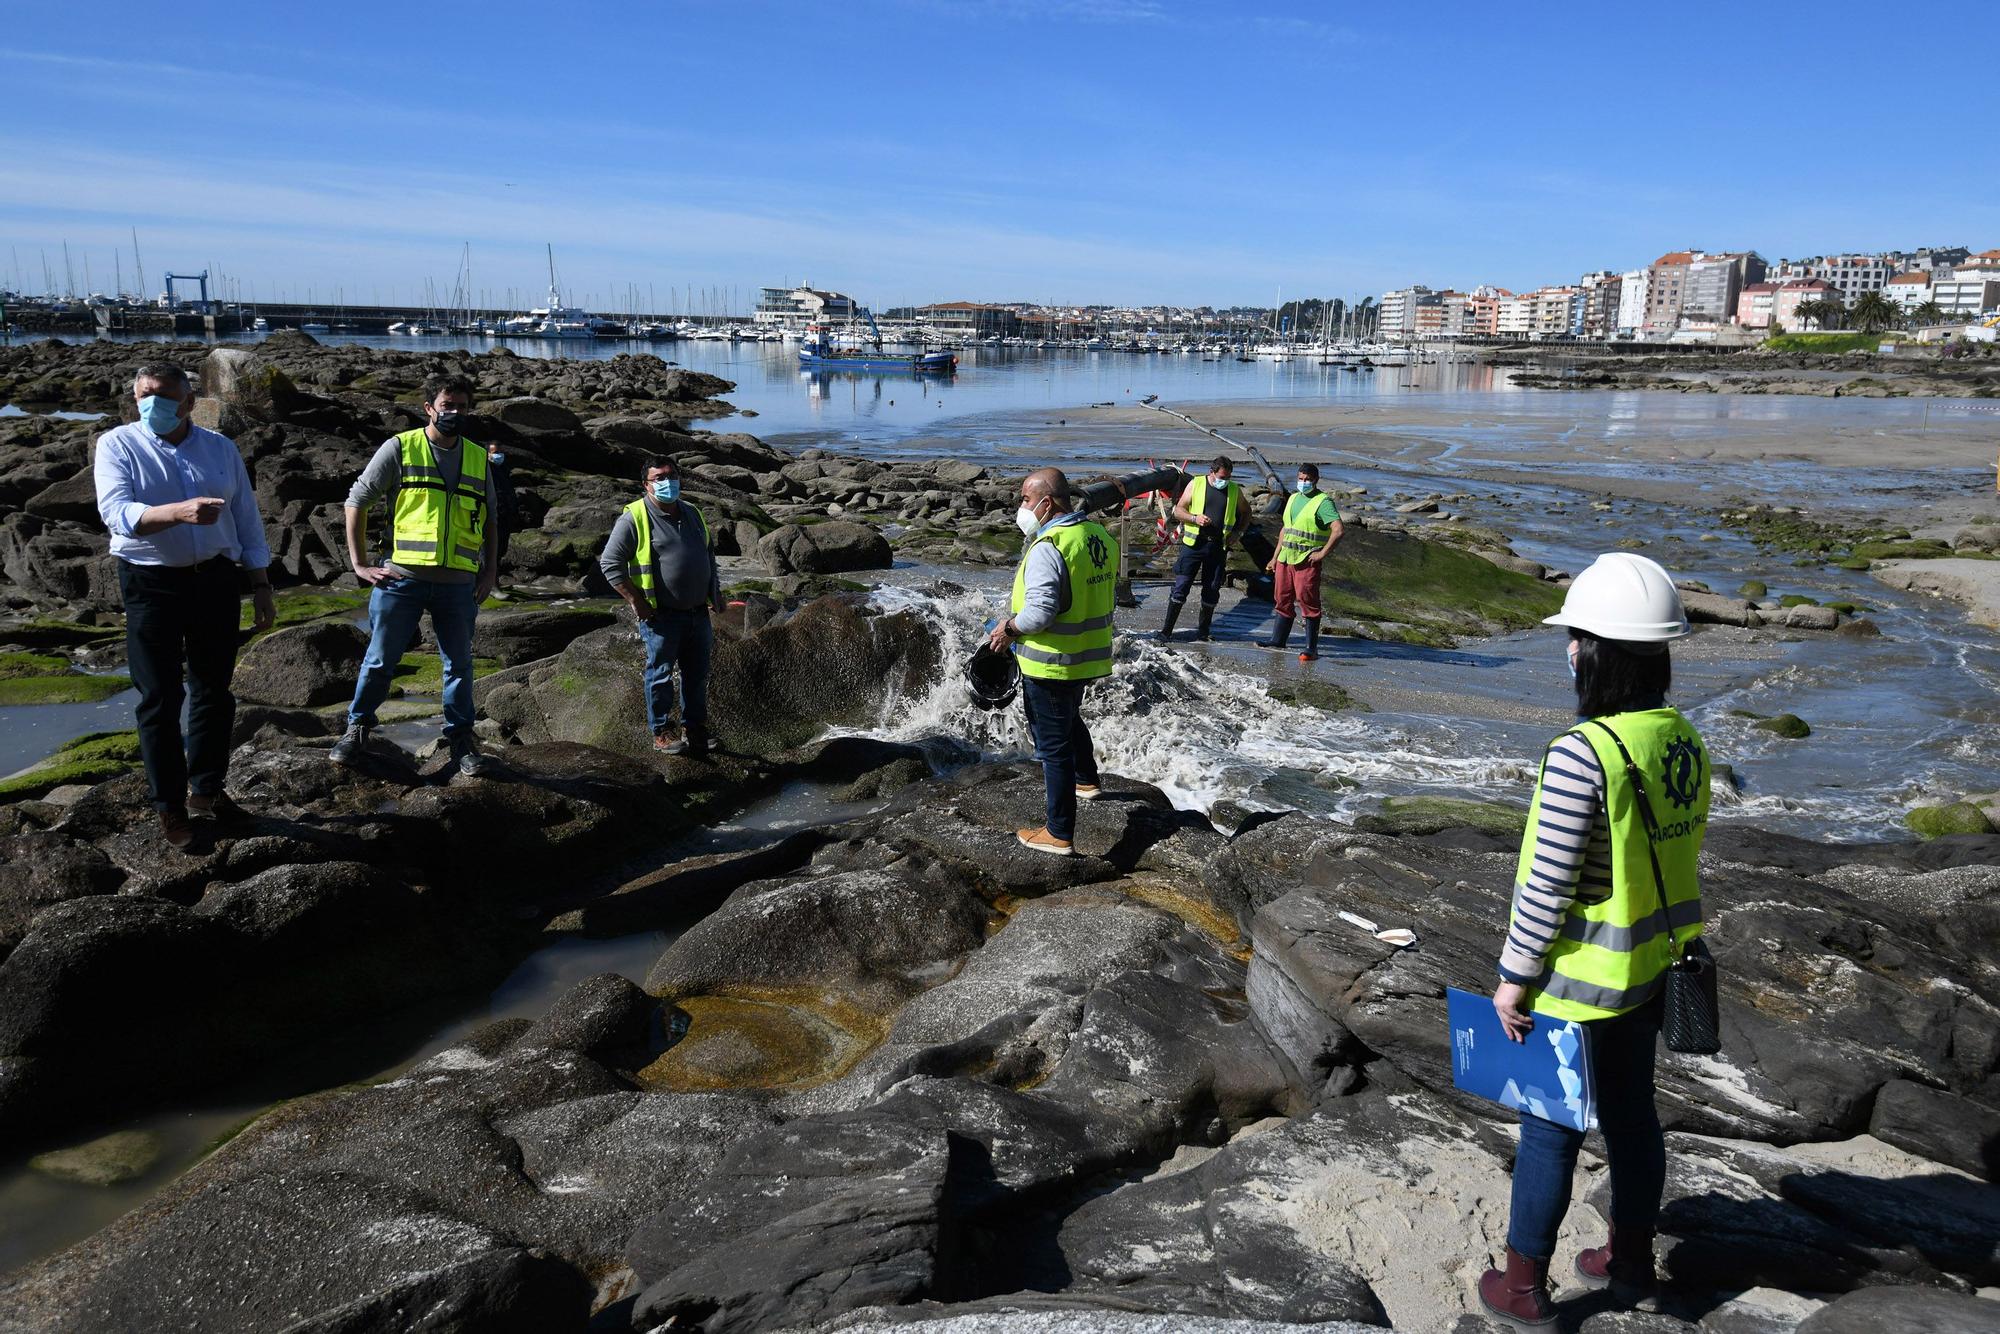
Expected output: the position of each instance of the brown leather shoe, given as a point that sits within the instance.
(1519, 1295)
(1041, 840)
(176, 829)
(219, 807)
(1624, 1264)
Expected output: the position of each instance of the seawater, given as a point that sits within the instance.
(1906, 718)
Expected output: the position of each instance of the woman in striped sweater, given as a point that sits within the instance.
(1605, 892)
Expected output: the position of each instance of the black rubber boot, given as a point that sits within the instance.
(1201, 626)
(1282, 635)
(1173, 614)
(1312, 640)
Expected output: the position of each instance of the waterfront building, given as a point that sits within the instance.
(1793, 293)
(1635, 289)
(1444, 314)
(1755, 305)
(976, 318)
(1666, 291)
(1516, 315)
(1909, 290)
(1598, 310)
(797, 307)
(1482, 310)
(1969, 291)
(1715, 281)
(1396, 312)
(1552, 311)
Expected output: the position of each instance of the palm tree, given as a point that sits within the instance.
(1872, 312)
(1930, 312)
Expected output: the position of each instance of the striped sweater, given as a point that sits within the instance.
(1572, 858)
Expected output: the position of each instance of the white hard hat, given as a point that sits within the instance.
(1623, 596)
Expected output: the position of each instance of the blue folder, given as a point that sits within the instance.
(1546, 1076)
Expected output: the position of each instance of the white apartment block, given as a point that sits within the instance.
(1634, 286)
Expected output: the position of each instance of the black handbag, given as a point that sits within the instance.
(1691, 1018)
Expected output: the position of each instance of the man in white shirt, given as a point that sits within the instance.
(184, 526)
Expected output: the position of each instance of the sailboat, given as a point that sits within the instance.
(554, 321)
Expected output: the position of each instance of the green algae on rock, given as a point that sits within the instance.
(1429, 587)
(65, 688)
(1957, 817)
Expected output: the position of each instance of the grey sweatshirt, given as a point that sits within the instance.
(683, 563)
(382, 478)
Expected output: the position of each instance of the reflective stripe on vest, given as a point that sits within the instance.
(1076, 646)
(1198, 504)
(1303, 533)
(645, 575)
(1608, 956)
(433, 526)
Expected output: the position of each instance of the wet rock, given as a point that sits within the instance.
(123, 1155)
(797, 1225)
(508, 1291)
(539, 632)
(1823, 999)
(1787, 725)
(824, 548)
(302, 666)
(1873, 1310)
(1958, 817)
(1712, 609)
(1430, 815)
(74, 500)
(1812, 618)
(832, 661)
(873, 938)
(1943, 1127)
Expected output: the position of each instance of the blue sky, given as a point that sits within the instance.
(919, 150)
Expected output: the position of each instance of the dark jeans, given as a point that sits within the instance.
(395, 607)
(686, 639)
(1621, 1065)
(1207, 562)
(1062, 744)
(183, 621)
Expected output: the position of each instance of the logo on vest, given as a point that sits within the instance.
(1681, 771)
(1095, 548)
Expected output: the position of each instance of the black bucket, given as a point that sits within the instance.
(992, 679)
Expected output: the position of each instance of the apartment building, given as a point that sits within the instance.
(1794, 293)
(1598, 310)
(1635, 289)
(1909, 290)
(797, 307)
(1714, 282)
(1396, 312)
(1667, 290)
(1482, 309)
(1755, 305)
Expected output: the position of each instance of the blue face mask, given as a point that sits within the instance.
(161, 415)
(1304, 488)
(496, 458)
(667, 490)
(1569, 661)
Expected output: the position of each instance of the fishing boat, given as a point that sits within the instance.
(819, 352)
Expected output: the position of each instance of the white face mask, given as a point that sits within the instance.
(1025, 520)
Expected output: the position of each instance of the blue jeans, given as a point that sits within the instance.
(677, 637)
(1621, 1065)
(395, 606)
(1207, 562)
(1062, 744)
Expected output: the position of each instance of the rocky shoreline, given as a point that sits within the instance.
(895, 1071)
(1758, 371)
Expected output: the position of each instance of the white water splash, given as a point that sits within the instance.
(1190, 724)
